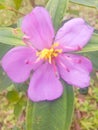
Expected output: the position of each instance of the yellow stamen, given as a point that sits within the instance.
(48, 54)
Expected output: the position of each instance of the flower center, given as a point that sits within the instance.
(49, 54)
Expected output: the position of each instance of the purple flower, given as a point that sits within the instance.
(47, 54)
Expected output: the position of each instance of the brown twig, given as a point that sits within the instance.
(78, 115)
(33, 3)
(14, 10)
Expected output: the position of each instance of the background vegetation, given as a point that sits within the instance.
(13, 100)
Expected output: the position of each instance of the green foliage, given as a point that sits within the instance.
(2, 6)
(19, 101)
(53, 115)
(38, 2)
(92, 45)
(15, 128)
(12, 96)
(19, 106)
(57, 10)
(22, 87)
(11, 36)
(90, 3)
(17, 3)
(19, 22)
(94, 58)
(3, 49)
(91, 50)
(2, 1)
(5, 82)
(86, 115)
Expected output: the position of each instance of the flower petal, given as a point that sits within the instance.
(75, 69)
(18, 63)
(38, 27)
(44, 84)
(74, 34)
(80, 61)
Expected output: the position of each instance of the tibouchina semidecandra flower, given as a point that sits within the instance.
(47, 54)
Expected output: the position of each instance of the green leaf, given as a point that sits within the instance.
(2, 1)
(91, 3)
(19, 106)
(11, 36)
(15, 128)
(17, 3)
(93, 56)
(92, 45)
(19, 22)
(13, 96)
(51, 115)
(2, 6)
(3, 49)
(5, 82)
(22, 87)
(57, 10)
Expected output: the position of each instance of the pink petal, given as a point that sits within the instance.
(18, 63)
(37, 25)
(80, 61)
(44, 84)
(75, 69)
(74, 34)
